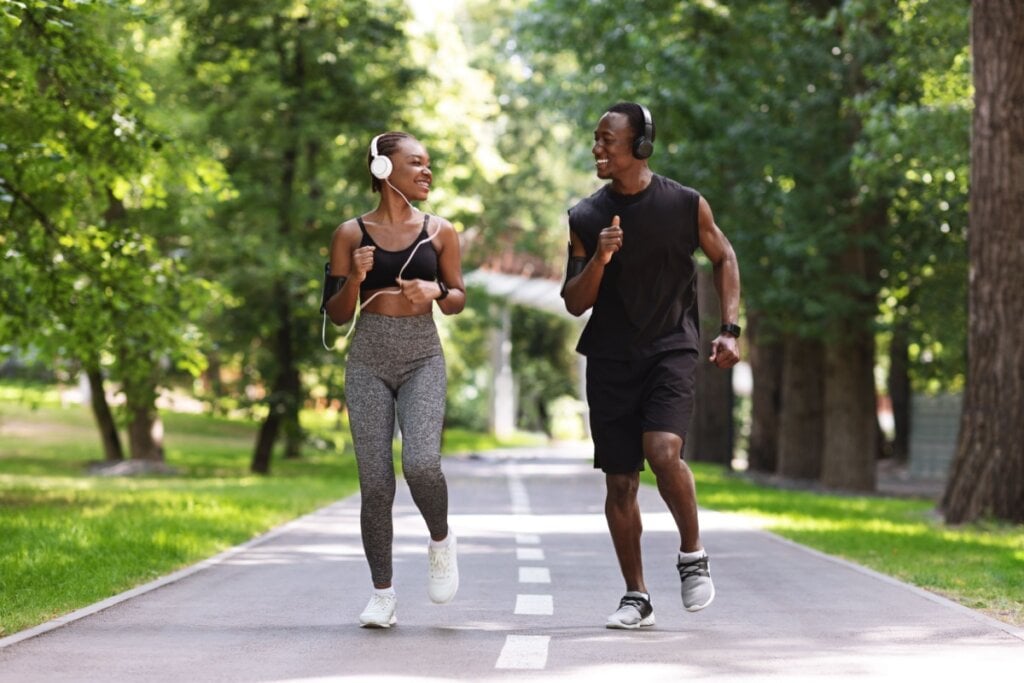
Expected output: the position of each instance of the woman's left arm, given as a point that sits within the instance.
(449, 269)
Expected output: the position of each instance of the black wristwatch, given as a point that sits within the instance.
(444, 290)
(730, 328)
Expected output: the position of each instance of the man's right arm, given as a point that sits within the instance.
(580, 291)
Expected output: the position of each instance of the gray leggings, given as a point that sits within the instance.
(396, 365)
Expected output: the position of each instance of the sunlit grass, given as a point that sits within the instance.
(980, 565)
(69, 538)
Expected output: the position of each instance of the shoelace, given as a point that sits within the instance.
(439, 563)
(698, 567)
(632, 601)
(382, 602)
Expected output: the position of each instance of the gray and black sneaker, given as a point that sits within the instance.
(634, 611)
(697, 589)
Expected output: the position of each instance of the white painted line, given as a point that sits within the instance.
(529, 554)
(534, 575)
(517, 491)
(527, 539)
(524, 652)
(535, 604)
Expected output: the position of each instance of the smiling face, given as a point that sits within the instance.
(411, 175)
(613, 146)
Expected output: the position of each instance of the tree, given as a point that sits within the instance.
(83, 175)
(987, 478)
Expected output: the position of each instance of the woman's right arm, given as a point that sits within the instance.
(341, 307)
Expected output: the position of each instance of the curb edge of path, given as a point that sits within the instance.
(160, 582)
(977, 615)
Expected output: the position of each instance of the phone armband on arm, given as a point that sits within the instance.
(574, 266)
(332, 285)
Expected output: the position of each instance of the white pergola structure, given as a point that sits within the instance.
(538, 293)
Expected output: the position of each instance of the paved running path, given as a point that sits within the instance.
(538, 579)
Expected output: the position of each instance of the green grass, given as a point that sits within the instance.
(980, 566)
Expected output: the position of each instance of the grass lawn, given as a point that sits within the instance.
(69, 538)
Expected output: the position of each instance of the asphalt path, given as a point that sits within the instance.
(538, 578)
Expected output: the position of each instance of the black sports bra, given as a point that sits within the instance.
(386, 264)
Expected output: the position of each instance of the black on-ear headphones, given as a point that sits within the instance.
(380, 166)
(643, 145)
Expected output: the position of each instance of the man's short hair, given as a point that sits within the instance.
(635, 115)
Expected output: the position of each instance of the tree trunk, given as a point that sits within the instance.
(710, 437)
(987, 477)
(899, 391)
(801, 422)
(146, 434)
(112, 449)
(766, 355)
(265, 442)
(283, 399)
(145, 429)
(851, 421)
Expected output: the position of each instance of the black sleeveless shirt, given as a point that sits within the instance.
(647, 302)
(387, 264)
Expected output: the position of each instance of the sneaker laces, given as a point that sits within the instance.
(381, 602)
(633, 601)
(440, 564)
(694, 568)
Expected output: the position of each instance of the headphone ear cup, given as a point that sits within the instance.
(642, 148)
(381, 167)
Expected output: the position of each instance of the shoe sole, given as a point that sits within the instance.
(646, 621)
(376, 624)
(697, 608)
(447, 599)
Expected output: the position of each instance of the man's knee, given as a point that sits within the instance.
(662, 449)
(622, 488)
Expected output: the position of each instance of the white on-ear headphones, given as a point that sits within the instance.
(380, 166)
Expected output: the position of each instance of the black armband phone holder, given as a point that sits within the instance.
(574, 266)
(332, 284)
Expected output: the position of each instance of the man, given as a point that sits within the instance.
(631, 260)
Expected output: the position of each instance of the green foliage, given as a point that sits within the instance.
(814, 129)
(83, 179)
(544, 363)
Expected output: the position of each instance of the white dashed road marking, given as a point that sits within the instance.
(524, 652)
(534, 575)
(527, 652)
(529, 554)
(543, 605)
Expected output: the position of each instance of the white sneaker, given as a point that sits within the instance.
(634, 611)
(443, 572)
(380, 611)
(696, 586)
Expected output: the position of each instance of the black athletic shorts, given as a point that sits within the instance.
(630, 397)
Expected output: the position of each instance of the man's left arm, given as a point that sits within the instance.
(716, 246)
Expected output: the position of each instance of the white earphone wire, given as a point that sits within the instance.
(361, 304)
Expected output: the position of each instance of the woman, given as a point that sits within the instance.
(394, 263)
